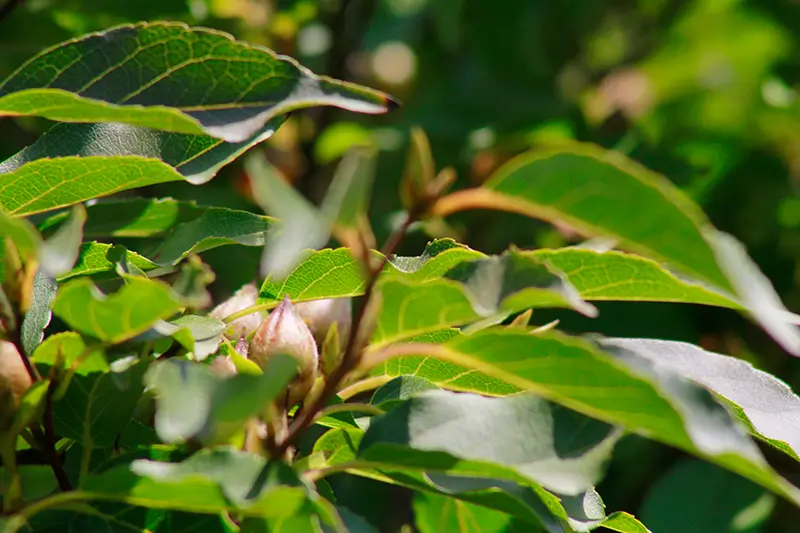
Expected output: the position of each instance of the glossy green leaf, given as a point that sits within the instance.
(136, 217)
(444, 374)
(319, 275)
(38, 315)
(603, 193)
(557, 448)
(100, 397)
(171, 77)
(399, 389)
(471, 291)
(101, 258)
(756, 292)
(631, 392)
(116, 317)
(47, 184)
(217, 226)
(197, 158)
(434, 513)
(697, 496)
(193, 402)
(624, 523)
(766, 404)
(619, 276)
(607, 276)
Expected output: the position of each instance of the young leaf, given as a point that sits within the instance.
(557, 448)
(168, 76)
(120, 316)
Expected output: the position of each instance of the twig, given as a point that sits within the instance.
(351, 355)
(46, 440)
(8, 7)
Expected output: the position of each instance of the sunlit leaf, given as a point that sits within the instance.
(116, 317)
(167, 76)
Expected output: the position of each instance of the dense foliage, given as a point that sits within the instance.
(241, 293)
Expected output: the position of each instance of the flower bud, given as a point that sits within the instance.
(284, 332)
(14, 381)
(320, 315)
(242, 299)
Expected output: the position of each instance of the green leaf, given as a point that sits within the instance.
(347, 200)
(535, 505)
(606, 276)
(137, 217)
(171, 77)
(319, 274)
(200, 335)
(58, 253)
(196, 158)
(217, 226)
(624, 523)
(37, 481)
(472, 290)
(193, 402)
(618, 276)
(100, 258)
(100, 397)
(47, 184)
(557, 448)
(697, 496)
(302, 226)
(756, 292)
(631, 392)
(444, 374)
(38, 315)
(210, 482)
(128, 312)
(434, 513)
(768, 406)
(600, 192)
(339, 445)
(399, 389)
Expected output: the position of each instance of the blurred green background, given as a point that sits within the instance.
(703, 91)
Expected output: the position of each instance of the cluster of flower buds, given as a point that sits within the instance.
(300, 331)
(14, 381)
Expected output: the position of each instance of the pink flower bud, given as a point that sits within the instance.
(284, 332)
(242, 299)
(14, 382)
(320, 315)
